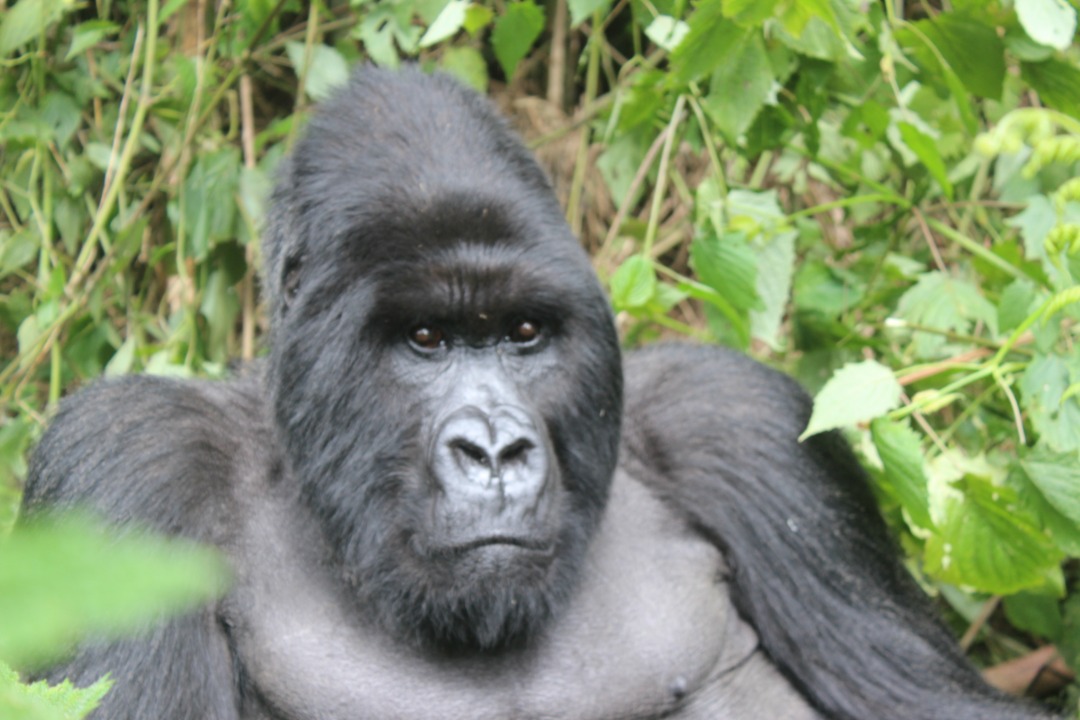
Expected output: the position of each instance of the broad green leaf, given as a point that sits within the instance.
(467, 65)
(1042, 387)
(667, 32)
(1060, 529)
(1034, 222)
(26, 20)
(1069, 642)
(328, 70)
(580, 10)
(856, 393)
(428, 10)
(634, 284)
(1038, 614)
(750, 13)
(741, 83)
(446, 25)
(727, 265)
(1057, 475)
(619, 162)
(706, 43)
(41, 701)
(1048, 22)
(122, 360)
(62, 579)
(208, 204)
(736, 319)
(762, 209)
(88, 34)
(940, 301)
(972, 49)
(795, 16)
(477, 17)
(775, 259)
(983, 544)
(515, 32)
(1015, 304)
(1056, 82)
(900, 453)
(17, 249)
(926, 150)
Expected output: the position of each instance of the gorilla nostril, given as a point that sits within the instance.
(470, 452)
(516, 451)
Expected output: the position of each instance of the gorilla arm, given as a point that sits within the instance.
(813, 569)
(149, 453)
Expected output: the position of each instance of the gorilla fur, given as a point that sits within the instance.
(439, 499)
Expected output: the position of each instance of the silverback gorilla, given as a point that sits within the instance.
(439, 500)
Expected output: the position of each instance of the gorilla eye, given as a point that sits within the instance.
(525, 332)
(426, 337)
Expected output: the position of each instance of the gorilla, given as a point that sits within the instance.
(445, 494)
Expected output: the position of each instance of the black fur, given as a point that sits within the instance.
(410, 204)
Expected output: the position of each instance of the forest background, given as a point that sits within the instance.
(879, 197)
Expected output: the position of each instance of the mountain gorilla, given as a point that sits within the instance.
(439, 500)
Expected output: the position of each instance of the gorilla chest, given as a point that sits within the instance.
(649, 629)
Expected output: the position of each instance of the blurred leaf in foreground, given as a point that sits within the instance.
(63, 579)
(41, 701)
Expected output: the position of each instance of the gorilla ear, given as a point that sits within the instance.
(290, 280)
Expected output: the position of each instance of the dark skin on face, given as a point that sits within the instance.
(446, 493)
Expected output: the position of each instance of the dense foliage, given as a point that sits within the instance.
(882, 199)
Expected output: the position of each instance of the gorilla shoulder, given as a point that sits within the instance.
(158, 452)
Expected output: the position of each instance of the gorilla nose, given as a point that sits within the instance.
(494, 457)
(491, 453)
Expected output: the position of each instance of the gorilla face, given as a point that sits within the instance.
(447, 381)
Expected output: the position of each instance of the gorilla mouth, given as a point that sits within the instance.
(528, 544)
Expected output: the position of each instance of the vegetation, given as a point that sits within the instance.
(882, 198)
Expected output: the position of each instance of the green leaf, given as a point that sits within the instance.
(667, 32)
(741, 83)
(1034, 223)
(727, 265)
(704, 46)
(1069, 641)
(972, 50)
(926, 150)
(580, 10)
(1048, 22)
(1057, 475)
(795, 16)
(775, 260)
(446, 25)
(478, 17)
(61, 580)
(750, 13)
(28, 19)
(940, 301)
(634, 284)
(1038, 614)
(1042, 387)
(514, 34)
(88, 34)
(17, 249)
(328, 70)
(41, 701)
(467, 65)
(1015, 304)
(984, 545)
(208, 204)
(1057, 83)
(900, 453)
(857, 392)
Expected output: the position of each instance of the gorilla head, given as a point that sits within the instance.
(446, 374)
